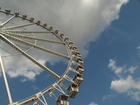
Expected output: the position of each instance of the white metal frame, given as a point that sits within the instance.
(9, 34)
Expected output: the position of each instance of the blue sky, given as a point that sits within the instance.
(110, 49)
(118, 43)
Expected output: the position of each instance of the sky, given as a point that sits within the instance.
(106, 33)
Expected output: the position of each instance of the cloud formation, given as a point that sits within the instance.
(113, 67)
(107, 96)
(123, 85)
(127, 85)
(81, 20)
(93, 103)
(118, 70)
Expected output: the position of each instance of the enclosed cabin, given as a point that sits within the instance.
(51, 28)
(44, 25)
(62, 36)
(74, 48)
(38, 22)
(77, 54)
(80, 69)
(7, 11)
(24, 17)
(70, 45)
(66, 40)
(56, 31)
(31, 19)
(78, 79)
(72, 90)
(62, 100)
(80, 61)
(16, 13)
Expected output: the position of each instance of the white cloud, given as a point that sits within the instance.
(132, 69)
(23, 67)
(138, 47)
(93, 103)
(81, 20)
(123, 85)
(23, 80)
(35, 87)
(135, 95)
(127, 85)
(116, 69)
(139, 50)
(107, 96)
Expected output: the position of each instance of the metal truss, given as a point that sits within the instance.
(16, 35)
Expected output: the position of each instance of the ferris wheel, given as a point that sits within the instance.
(32, 39)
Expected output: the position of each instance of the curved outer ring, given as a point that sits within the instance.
(49, 88)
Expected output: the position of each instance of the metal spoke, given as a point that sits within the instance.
(29, 57)
(17, 26)
(28, 32)
(5, 82)
(33, 38)
(29, 99)
(20, 36)
(7, 21)
(35, 46)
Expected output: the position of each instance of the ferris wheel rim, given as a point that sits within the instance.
(69, 57)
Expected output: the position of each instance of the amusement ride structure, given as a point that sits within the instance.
(24, 35)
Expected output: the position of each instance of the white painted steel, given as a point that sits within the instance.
(8, 33)
(5, 81)
(29, 57)
(35, 46)
(18, 31)
(17, 26)
(33, 38)
(3, 24)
